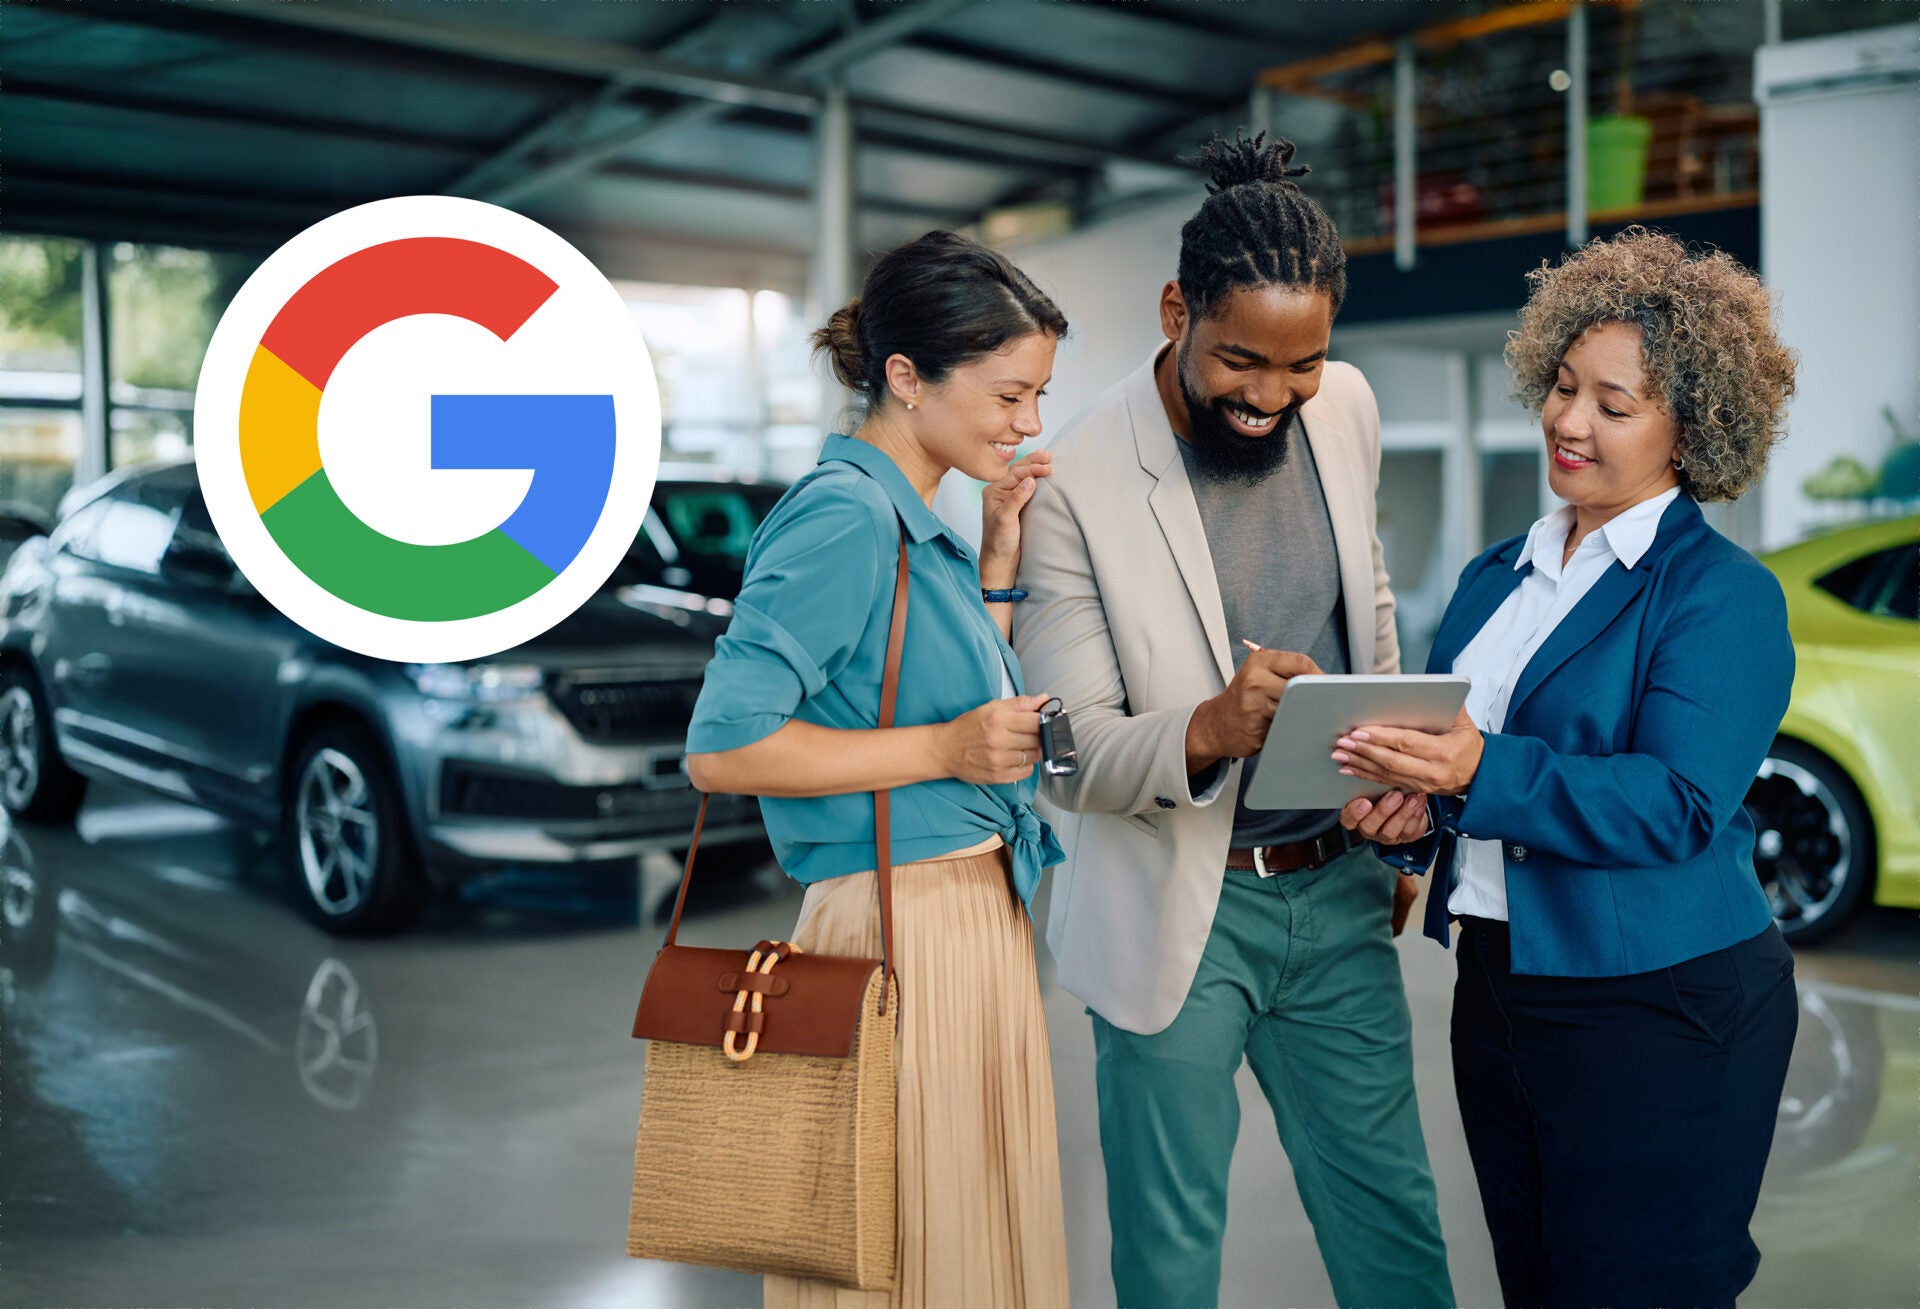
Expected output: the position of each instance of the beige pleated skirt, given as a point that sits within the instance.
(980, 1223)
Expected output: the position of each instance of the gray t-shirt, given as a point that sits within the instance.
(1279, 576)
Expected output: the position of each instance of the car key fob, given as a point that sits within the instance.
(1056, 741)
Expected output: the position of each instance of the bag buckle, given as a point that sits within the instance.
(761, 961)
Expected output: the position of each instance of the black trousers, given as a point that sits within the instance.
(1619, 1125)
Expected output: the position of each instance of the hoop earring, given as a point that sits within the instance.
(1676, 463)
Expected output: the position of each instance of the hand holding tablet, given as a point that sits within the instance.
(1441, 763)
(1297, 770)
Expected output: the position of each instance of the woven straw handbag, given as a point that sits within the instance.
(768, 1111)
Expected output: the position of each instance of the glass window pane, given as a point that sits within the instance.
(786, 360)
(1412, 530)
(1509, 493)
(39, 318)
(132, 534)
(37, 451)
(1902, 599)
(143, 435)
(162, 305)
(714, 522)
(1857, 582)
(698, 338)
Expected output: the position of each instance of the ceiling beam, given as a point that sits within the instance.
(277, 215)
(824, 61)
(1205, 21)
(968, 146)
(550, 130)
(1074, 76)
(1037, 147)
(778, 191)
(293, 210)
(229, 116)
(514, 60)
(246, 27)
(67, 219)
(537, 49)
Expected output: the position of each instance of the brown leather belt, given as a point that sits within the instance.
(1294, 856)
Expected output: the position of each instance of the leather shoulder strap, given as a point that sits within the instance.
(882, 800)
(882, 808)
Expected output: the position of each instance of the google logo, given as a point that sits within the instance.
(427, 429)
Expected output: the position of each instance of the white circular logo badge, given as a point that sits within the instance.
(427, 429)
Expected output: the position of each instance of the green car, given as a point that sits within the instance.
(1836, 805)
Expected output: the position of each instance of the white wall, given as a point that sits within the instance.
(1840, 194)
(1106, 280)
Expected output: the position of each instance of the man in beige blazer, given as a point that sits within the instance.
(1207, 533)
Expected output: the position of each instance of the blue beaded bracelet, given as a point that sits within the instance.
(1002, 597)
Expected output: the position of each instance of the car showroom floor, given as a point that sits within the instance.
(205, 1101)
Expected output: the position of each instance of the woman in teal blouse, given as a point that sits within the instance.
(950, 347)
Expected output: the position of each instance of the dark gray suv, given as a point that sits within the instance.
(131, 647)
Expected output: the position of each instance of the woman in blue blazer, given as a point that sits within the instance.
(1624, 1008)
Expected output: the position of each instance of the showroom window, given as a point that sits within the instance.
(160, 304)
(40, 325)
(163, 302)
(737, 388)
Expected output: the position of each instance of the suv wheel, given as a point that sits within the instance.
(1813, 842)
(35, 782)
(345, 835)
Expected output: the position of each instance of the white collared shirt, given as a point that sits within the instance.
(1500, 651)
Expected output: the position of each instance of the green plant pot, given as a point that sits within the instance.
(1616, 160)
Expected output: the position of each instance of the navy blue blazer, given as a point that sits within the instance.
(1631, 739)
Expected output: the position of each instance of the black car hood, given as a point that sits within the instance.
(651, 625)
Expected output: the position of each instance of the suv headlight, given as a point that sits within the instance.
(477, 683)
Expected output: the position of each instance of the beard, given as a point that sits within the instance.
(1222, 454)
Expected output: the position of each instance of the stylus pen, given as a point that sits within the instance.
(1250, 645)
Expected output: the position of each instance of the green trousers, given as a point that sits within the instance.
(1301, 978)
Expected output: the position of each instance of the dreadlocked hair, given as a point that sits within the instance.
(1257, 227)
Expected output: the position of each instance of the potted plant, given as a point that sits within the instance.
(1617, 142)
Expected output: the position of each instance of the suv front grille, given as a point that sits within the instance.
(484, 791)
(626, 710)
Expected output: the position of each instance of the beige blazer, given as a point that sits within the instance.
(1124, 623)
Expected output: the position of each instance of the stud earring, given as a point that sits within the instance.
(910, 406)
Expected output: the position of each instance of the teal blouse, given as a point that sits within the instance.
(808, 640)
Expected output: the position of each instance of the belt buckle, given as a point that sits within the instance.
(1329, 846)
(1260, 862)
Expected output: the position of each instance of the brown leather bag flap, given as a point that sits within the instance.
(819, 1014)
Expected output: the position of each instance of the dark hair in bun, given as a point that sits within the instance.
(942, 301)
(840, 339)
(1257, 227)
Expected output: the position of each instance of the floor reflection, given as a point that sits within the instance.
(208, 1101)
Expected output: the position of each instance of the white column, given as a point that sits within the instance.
(1405, 187)
(1462, 465)
(833, 204)
(1577, 127)
(756, 386)
(832, 272)
(95, 375)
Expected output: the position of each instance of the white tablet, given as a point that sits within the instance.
(1296, 767)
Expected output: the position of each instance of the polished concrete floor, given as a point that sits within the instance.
(205, 1101)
